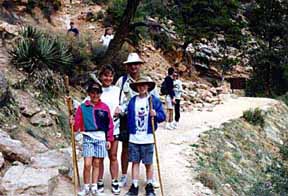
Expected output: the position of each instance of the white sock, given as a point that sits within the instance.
(86, 186)
(150, 181)
(135, 182)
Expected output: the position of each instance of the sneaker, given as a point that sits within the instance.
(168, 126)
(174, 125)
(100, 186)
(83, 192)
(149, 190)
(155, 184)
(123, 181)
(133, 191)
(115, 187)
(95, 191)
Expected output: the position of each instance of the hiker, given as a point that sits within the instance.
(73, 29)
(133, 65)
(141, 141)
(94, 121)
(170, 98)
(106, 76)
(107, 37)
(178, 91)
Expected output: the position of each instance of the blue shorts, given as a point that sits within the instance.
(93, 147)
(141, 152)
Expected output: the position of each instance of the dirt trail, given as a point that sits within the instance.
(174, 146)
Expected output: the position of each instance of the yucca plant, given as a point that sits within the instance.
(39, 54)
(36, 50)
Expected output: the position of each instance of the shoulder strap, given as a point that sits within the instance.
(124, 79)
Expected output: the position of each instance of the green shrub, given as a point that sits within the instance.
(255, 117)
(38, 53)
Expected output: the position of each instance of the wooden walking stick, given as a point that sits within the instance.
(76, 178)
(156, 148)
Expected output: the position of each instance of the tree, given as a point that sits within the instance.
(122, 31)
(269, 22)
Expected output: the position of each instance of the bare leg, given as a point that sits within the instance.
(135, 171)
(149, 171)
(114, 166)
(101, 169)
(87, 169)
(95, 170)
(124, 158)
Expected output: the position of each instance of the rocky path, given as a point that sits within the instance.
(174, 146)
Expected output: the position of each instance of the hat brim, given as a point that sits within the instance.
(151, 85)
(130, 62)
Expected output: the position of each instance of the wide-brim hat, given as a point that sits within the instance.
(143, 80)
(133, 58)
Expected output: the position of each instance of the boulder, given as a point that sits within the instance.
(13, 149)
(27, 104)
(4, 92)
(24, 180)
(60, 186)
(51, 159)
(2, 161)
(41, 119)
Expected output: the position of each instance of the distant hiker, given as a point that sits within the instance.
(170, 98)
(109, 96)
(73, 29)
(94, 121)
(107, 37)
(133, 65)
(141, 141)
(178, 92)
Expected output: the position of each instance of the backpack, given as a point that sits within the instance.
(163, 88)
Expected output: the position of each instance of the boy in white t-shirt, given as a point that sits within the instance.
(141, 141)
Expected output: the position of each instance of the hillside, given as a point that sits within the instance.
(215, 150)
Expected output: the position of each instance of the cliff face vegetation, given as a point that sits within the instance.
(245, 159)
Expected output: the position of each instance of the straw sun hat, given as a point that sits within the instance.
(143, 80)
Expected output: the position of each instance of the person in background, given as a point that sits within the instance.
(94, 121)
(107, 37)
(178, 92)
(141, 141)
(170, 98)
(73, 30)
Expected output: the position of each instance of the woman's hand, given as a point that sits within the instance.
(117, 111)
(108, 145)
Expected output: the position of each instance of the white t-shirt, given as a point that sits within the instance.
(110, 96)
(106, 39)
(177, 88)
(141, 117)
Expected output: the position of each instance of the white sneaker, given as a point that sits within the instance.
(123, 181)
(83, 192)
(174, 125)
(100, 186)
(169, 126)
(155, 184)
(95, 191)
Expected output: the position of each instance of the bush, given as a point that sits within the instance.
(255, 117)
(38, 53)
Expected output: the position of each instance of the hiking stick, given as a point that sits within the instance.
(156, 148)
(76, 178)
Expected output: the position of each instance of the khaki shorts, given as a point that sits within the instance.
(169, 104)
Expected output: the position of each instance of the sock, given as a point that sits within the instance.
(86, 186)
(150, 181)
(135, 182)
(114, 181)
(100, 181)
(124, 175)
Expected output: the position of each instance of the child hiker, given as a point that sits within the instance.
(141, 141)
(94, 121)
